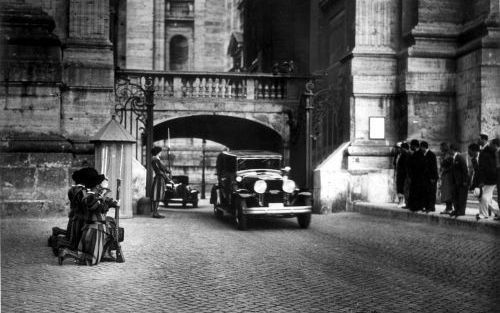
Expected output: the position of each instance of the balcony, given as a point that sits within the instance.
(223, 85)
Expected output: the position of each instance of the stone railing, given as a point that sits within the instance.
(229, 85)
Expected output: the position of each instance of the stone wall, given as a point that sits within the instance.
(36, 184)
(57, 76)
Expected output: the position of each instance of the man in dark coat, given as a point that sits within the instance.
(430, 177)
(460, 182)
(487, 180)
(400, 166)
(416, 166)
(473, 152)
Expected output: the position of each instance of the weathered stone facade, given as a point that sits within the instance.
(57, 78)
(206, 25)
(430, 68)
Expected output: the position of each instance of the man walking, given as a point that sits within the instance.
(416, 165)
(460, 182)
(430, 177)
(487, 179)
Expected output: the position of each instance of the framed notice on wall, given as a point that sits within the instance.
(376, 127)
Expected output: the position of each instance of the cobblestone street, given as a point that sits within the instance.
(192, 262)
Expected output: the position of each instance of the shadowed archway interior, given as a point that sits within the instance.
(233, 132)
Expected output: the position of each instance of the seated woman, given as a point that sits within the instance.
(70, 237)
(98, 230)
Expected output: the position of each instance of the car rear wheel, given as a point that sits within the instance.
(239, 217)
(218, 212)
(195, 203)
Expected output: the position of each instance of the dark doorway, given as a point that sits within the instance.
(179, 51)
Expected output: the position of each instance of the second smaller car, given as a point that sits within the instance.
(180, 192)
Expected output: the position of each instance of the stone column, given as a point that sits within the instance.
(374, 91)
(88, 69)
(159, 35)
(427, 70)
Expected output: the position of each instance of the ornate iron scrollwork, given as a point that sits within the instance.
(131, 97)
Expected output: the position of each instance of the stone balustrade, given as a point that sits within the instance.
(250, 86)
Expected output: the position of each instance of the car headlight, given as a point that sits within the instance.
(239, 178)
(260, 186)
(288, 186)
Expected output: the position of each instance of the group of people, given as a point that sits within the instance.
(90, 233)
(417, 175)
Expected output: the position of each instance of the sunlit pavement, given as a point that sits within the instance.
(192, 262)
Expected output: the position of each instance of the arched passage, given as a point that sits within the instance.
(233, 132)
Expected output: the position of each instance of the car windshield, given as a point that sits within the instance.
(251, 164)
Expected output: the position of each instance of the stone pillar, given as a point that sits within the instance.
(159, 35)
(427, 70)
(140, 35)
(374, 90)
(88, 69)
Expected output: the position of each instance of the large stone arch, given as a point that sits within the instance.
(231, 131)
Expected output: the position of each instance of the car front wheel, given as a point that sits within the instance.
(304, 220)
(240, 218)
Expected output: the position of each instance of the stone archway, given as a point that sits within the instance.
(233, 132)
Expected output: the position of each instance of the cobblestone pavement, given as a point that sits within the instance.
(192, 262)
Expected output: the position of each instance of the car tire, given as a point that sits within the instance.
(195, 203)
(218, 212)
(304, 220)
(240, 219)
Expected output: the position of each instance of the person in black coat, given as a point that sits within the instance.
(416, 166)
(400, 166)
(430, 177)
(460, 182)
(487, 180)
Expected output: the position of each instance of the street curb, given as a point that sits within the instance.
(388, 210)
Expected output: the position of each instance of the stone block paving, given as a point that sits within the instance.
(192, 262)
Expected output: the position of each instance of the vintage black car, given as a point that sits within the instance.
(179, 191)
(254, 184)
